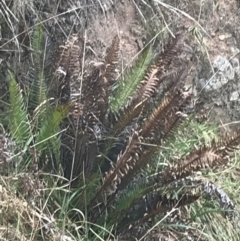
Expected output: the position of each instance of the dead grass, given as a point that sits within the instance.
(21, 220)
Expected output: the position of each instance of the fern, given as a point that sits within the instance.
(131, 195)
(33, 122)
(20, 126)
(128, 85)
(109, 148)
(50, 127)
(38, 88)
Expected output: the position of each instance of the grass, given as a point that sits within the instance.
(24, 221)
(206, 216)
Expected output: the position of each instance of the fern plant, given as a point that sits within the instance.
(34, 124)
(114, 132)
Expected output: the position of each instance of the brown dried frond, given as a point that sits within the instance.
(118, 121)
(125, 162)
(165, 119)
(153, 134)
(136, 104)
(175, 116)
(162, 204)
(157, 203)
(149, 85)
(229, 143)
(147, 150)
(169, 53)
(211, 156)
(153, 77)
(171, 102)
(70, 56)
(88, 114)
(68, 68)
(94, 98)
(202, 158)
(150, 140)
(111, 60)
(157, 114)
(95, 90)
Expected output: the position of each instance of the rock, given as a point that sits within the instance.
(217, 81)
(224, 67)
(224, 72)
(235, 64)
(217, 102)
(224, 36)
(221, 37)
(234, 96)
(204, 85)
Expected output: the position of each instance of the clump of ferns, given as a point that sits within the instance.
(115, 130)
(34, 121)
(111, 133)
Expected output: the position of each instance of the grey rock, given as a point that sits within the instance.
(224, 67)
(234, 96)
(218, 102)
(217, 81)
(224, 73)
(235, 64)
(204, 85)
(222, 37)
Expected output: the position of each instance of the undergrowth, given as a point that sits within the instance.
(125, 159)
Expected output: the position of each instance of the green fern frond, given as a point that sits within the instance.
(125, 201)
(50, 126)
(55, 145)
(20, 127)
(130, 82)
(38, 88)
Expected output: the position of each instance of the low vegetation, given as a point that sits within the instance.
(124, 156)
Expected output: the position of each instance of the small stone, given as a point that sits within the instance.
(234, 96)
(204, 85)
(213, 34)
(222, 37)
(235, 63)
(218, 102)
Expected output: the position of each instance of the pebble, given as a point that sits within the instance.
(221, 37)
(234, 96)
